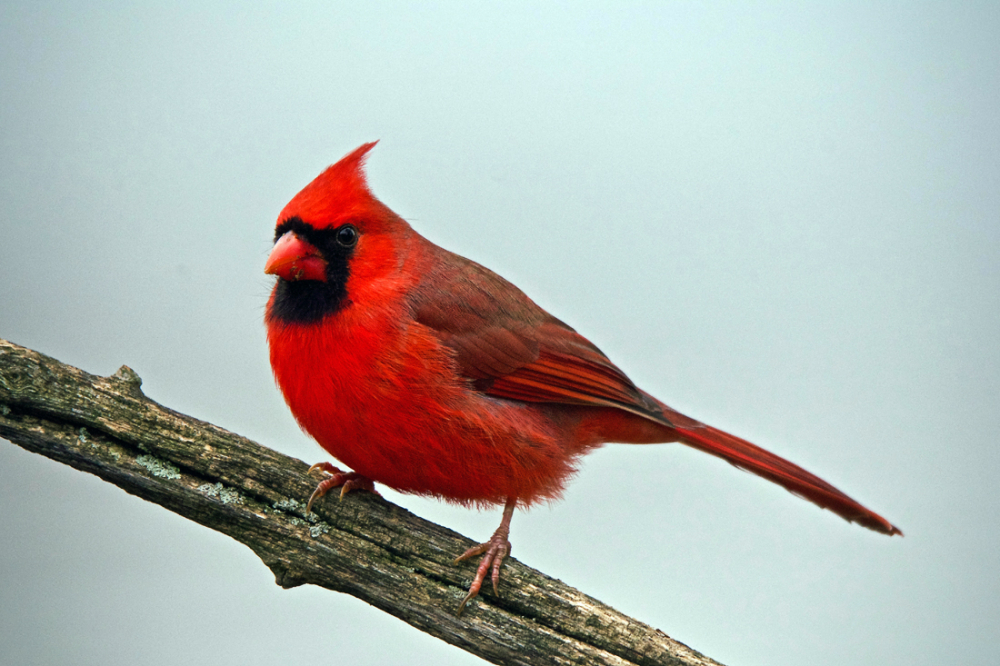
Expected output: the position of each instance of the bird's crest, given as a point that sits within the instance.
(339, 193)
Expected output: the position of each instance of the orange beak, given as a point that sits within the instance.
(294, 259)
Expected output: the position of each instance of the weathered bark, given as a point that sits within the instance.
(363, 546)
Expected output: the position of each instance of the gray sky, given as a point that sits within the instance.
(782, 219)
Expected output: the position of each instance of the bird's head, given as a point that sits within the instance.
(331, 234)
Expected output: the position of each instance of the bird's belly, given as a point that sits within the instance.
(399, 413)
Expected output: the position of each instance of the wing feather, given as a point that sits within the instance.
(511, 348)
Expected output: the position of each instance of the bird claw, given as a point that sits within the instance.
(347, 481)
(493, 551)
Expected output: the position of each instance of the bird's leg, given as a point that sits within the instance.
(347, 480)
(493, 551)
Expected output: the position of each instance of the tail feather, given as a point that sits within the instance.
(763, 463)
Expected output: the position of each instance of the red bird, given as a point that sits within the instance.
(423, 370)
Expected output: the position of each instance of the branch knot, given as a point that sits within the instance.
(130, 380)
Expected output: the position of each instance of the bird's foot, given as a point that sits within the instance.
(493, 551)
(347, 481)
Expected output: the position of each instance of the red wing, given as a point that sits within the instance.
(560, 378)
(511, 348)
(571, 370)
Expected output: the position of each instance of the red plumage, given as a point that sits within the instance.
(427, 372)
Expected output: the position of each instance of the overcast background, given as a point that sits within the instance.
(782, 219)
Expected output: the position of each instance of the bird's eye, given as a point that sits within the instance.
(347, 235)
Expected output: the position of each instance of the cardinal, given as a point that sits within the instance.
(426, 372)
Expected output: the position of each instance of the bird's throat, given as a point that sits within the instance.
(306, 301)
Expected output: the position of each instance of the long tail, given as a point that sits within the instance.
(763, 463)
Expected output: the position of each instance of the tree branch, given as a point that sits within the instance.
(364, 545)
